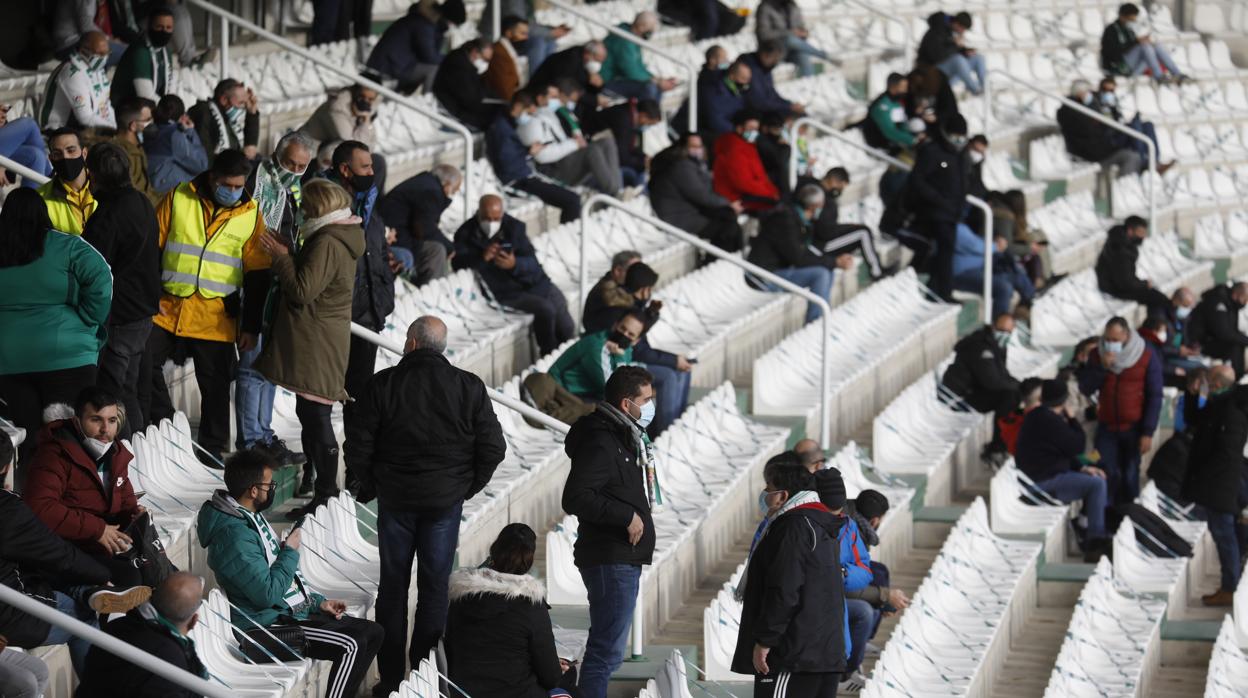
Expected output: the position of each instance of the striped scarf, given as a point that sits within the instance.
(296, 596)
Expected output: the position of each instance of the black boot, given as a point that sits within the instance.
(306, 483)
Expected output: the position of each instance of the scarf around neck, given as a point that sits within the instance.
(1131, 352)
(647, 458)
(801, 499)
(226, 127)
(312, 225)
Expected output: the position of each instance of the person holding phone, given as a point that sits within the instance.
(583, 369)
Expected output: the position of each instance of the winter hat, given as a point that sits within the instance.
(871, 503)
(831, 488)
(1054, 393)
(639, 276)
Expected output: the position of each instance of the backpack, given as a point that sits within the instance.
(1155, 535)
(147, 553)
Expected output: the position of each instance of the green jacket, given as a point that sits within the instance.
(623, 60)
(580, 369)
(53, 311)
(882, 115)
(141, 62)
(236, 556)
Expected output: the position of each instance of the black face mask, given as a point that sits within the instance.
(268, 501)
(835, 193)
(68, 169)
(361, 183)
(159, 39)
(520, 46)
(619, 339)
(362, 104)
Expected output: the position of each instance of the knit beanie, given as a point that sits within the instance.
(871, 503)
(831, 488)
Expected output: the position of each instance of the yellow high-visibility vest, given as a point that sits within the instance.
(65, 216)
(192, 262)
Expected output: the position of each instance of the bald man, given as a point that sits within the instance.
(422, 439)
(161, 628)
(78, 91)
(495, 246)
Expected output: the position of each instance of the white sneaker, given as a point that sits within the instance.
(853, 685)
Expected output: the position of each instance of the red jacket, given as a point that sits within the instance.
(739, 174)
(65, 491)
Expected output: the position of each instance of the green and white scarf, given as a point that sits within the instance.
(297, 595)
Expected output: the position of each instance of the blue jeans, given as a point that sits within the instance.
(78, 647)
(538, 49)
(1151, 57)
(1225, 533)
(1120, 459)
(799, 53)
(1144, 128)
(21, 142)
(634, 89)
(612, 598)
(429, 536)
(671, 389)
(253, 400)
(863, 619)
(1007, 277)
(817, 280)
(1076, 486)
(969, 70)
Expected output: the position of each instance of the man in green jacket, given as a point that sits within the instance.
(584, 368)
(260, 575)
(624, 72)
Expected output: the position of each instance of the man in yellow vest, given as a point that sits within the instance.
(209, 234)
(68, 193)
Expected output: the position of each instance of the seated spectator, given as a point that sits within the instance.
(259, 574)
(584, 368)
(68, 194)
(502, 76)
(886, 124)
(721, 98)
(867, 606)
(459, 87)
(495, 246)
(1009, 425)
(72, 19)
(774, 151)
(78, 92)
(930, 99)
(1008, 276)
(230, 121)
(570, 94)
(410, 50)
(413, 210)
(1128, 49)
(133, 119)
(22, 675)
(1214, 325)
(499, 638)
(146, 69)
(1051, 451)
(681, 194)
(174, 152)
(1030, 246)
(833, 238)
(762, 96)
(628, 124)
(1105, 101)
(580, 64)
(980, 377)
(623, 71)
(1116, 273)
(705, 18)
(609, 291)
(160, 628)
(346, 115)
(1090, 140)
(21, 142)
(781, 20)
(1156, 332)
(977, 151)
(738, 173)
(541, 42)
(572, 160)
(781, 249)
(944, 46)
(55, 295)
(510, 158)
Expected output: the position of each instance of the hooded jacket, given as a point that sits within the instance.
(108, 676)
(306, 347)
(1214, 325)
(604, 490)
(124, 231)
(938, 43)
(979, 366)
(1115, 266)
(499, 640)
(65, 489)
(1216, 461)
(681, 193)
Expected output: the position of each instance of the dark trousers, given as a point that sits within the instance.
(430, 537)
(1120, 459)
(332, 20)
(320, 445)
(26, 394)
(1156, 301)
(671, 395)
(1000, 403)
(120, 362)
(350, 643)
(361, 364)
(849, 238)
(567, 201)
(214, 370)
(1226, 533)
(942, 235)
(552, 325)
(786, 684)
(723, 231)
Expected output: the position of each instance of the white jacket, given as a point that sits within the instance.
(545, 128)
(78, 95)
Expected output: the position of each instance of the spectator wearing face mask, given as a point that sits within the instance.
(1090, 140)
(231, 120)
(1008, 275)
(681, 194)
(1116, 266)
(782, 248)
(502, 75)
(541, 42)
(624, 72)
(609, 291)
(459, 87)
(410, 50)
(67, 194)
(833, 238)
(1156, 331)
(1011, 423)
(133, 119)
(174, 151)
(738, 173)
(570, 159)
(1105, 101)
(721, 99)
(146, 69)
(936, 193)
(773, 150)
(582, 65)
(1128, 49)
(762, 96)
(510, 157)
(345, 116)
(1214, 325)
(78, 92)
(412, 210)
(584, 368)
(980, 377)
(885, 126)
(944, 46)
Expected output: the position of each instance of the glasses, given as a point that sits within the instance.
(266, 486)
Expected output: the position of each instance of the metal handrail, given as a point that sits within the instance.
(632, 38)
(122, 650)
(906, 27)
(227, 18)
(1090, 113)
(881, 155)
(825, 392)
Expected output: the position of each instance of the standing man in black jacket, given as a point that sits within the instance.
(1213, 326)
(123, 229)
(423, 439)
(936, 192)
(607, 492)
(792, 636)
(1115, 267)
(980, 376)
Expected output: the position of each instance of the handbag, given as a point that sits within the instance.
(280, 643)
(146, 552)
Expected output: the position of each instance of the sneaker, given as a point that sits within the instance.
(872, 650)
(111, 600)
(1221, 598)
(852, 685)
(283, 454)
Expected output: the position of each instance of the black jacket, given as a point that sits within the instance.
(681, 191)
(1169, 466)
(526, 277)
(461, 90)
(775, 156)
(781, 242)
(603, 491)
(1048, 444)
(794, 600)
(1116, 40)
(1214, 325)
(1086, 138)
(1115, 267)
(937, 43)
(762, 96)
(1216, 462)
(979, 367)
(373, 299)
(108, 676)
(210, 134)
(936, 188)
(31, 559)
(411, 40)
(499, 640)
(568, 63)
(413, 209)
(123, 229)
(423, 435)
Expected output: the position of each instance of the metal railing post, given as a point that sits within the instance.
(638, 634)
(23, 170)
(988, 249)
(1092, 114)
(347, 72)
(225, 46)
(496, 21)
(825, 391)
(630, 37)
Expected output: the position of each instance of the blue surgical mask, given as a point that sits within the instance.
(554, 105)
(750, 136)
(233, 113)
(1112, 347)
(724, 65)
(524, 118)
(1183, 312)
(1201, 400)
(1087, 99)
(226, 196)
(647, 414)
(763, 509)
(1109, 99)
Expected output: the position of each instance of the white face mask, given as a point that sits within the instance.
(95, 448)
(1183, 312)
(553, 105)
(593, 67)
(976, 156)
(481, 65)
(491, 228)
(1162, 336)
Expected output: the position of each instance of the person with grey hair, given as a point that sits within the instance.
(161, 628)
(422, 439)
(1089, 139)
(782, 248)
(624, 72)
(412, 210)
